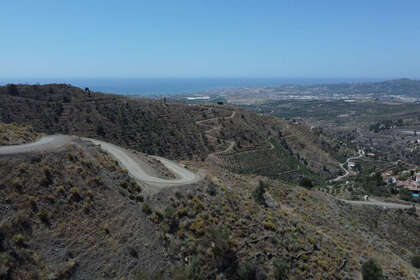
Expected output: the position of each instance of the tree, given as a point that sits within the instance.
(415, 261)
(281, 269)
(258, 194)
(12, 89)
(100, 130)
(371, 270)
(405, 194)
(211, 189)
(247, 270)
(358, 167)
(379, 179)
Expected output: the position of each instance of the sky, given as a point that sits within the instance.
(217, 38)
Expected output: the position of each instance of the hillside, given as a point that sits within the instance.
(72, 213)
(173, 130)
(12, 134)
(144, 125)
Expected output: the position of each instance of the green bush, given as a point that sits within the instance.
(179, 195)
(412, 211)
(371, 270)
(170, 212)
(192, 270)
(43, 216)
(19, 240)
(124, 184)
(47, 172)
(171, 219)
(306, 183)
(281, 269)
(146, 209)
(100, 130)
(223, 250)
(405, 194)
(75, 194)
(415, 261)
(247, 270)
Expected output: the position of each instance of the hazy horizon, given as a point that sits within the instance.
(159, 86)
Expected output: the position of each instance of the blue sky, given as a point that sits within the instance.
(142, 39)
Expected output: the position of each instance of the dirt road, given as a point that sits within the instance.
(44, 143)
(374, 202)
(126, 159)
(123, 156)
(346, 171)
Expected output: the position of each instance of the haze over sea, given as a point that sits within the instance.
(169, 86)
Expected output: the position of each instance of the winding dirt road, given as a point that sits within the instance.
(123, 156)
(218, 127)
(346, 171)
(126, 159)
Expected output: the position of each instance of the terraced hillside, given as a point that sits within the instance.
(272, 160)
(249, 143)
(177, 131)
(144, 125)
(314, 150)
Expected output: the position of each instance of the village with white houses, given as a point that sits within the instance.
(397, 179)
(408, 179)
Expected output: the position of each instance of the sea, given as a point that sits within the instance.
(172, 86)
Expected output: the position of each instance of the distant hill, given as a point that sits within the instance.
(405, 87)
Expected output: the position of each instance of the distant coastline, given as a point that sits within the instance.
(172, 86)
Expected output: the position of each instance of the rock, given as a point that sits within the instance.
(269, 201)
